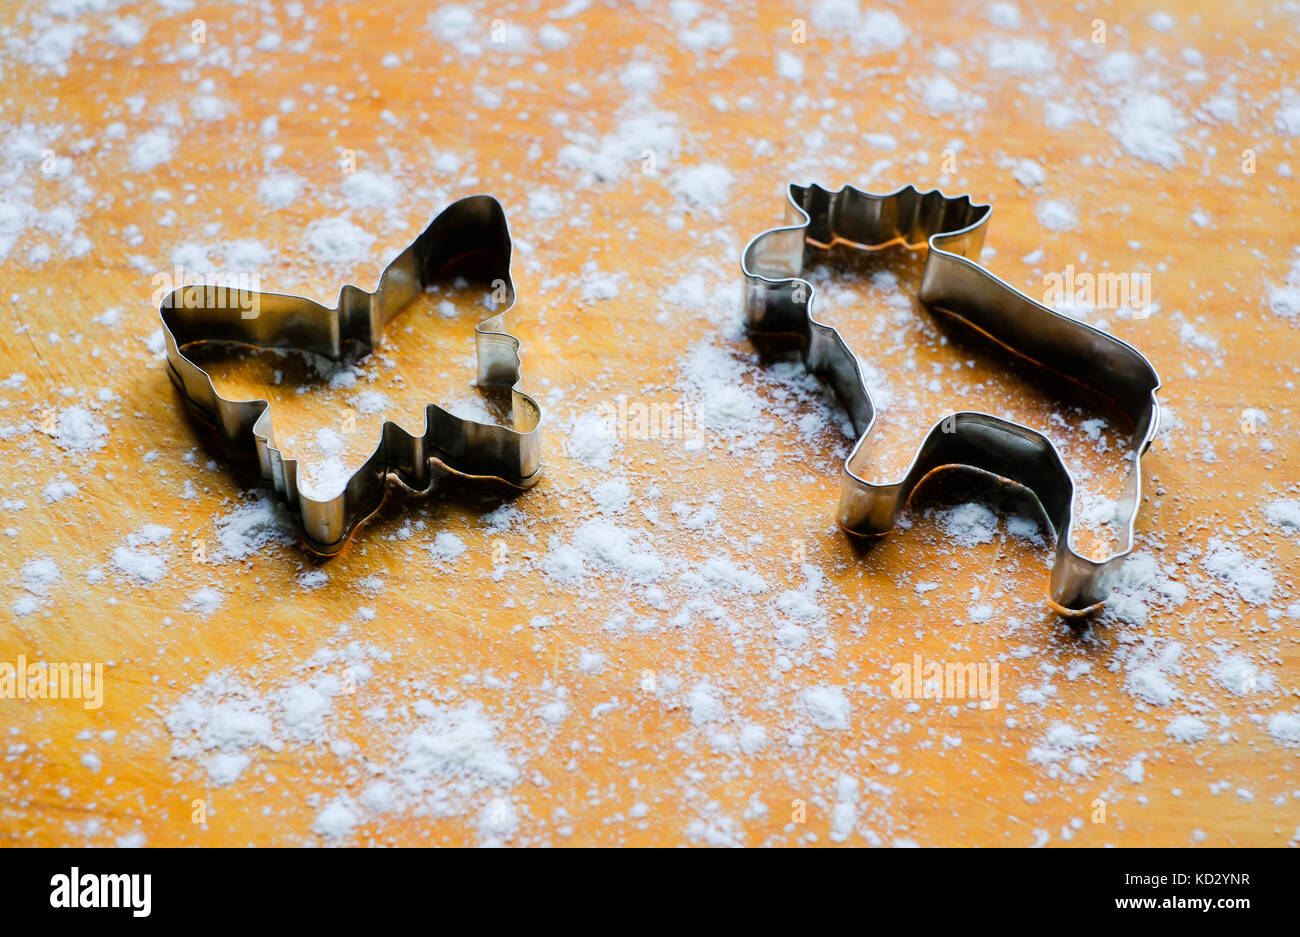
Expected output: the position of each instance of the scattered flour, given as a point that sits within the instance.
(446, 547)
(205, 601)
(1285, 728)
(704, 186)
(338, 241)
(151, 150)
(368, 189)
(1253, 580)
(79, 430)
(251, 527)
(1285, 514)
(1056, 215)
(970, 524)
(606, 547)
(1284, 298)
(1147, 126)
(279, 190)
(826, 706)
(592, 440)
(1187, 729)
(878, 31)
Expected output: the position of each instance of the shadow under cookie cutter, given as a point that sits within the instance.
(778, 301)
(471, 239)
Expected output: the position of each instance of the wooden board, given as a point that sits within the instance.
(667, 641)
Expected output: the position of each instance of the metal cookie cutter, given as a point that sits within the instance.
(468, 239)
(777, 301)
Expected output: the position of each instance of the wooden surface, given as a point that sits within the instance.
(661, 681)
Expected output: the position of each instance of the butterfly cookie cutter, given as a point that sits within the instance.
(778, 301)
(469, 239)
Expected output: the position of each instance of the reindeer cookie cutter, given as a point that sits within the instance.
(778, 301)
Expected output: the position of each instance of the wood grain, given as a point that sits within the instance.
(658, 683)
